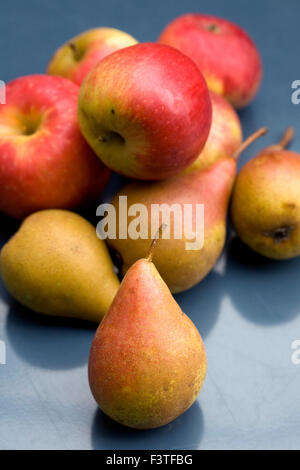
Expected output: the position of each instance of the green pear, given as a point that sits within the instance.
(181, 268)
(147, 362)
(56, 265)
(265, 209)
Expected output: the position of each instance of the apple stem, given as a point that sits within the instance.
(154, 242)
(213, 28)
(259, 133)
(104, 138)
(112, 136)
(286, 138)
(74, 50)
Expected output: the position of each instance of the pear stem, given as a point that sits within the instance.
(154, 242)
(286, 138)
(259, 133)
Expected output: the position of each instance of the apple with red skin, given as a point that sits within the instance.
(224, 52)
(75, 58)
(146, 111)
(44, 161)
(225, 135)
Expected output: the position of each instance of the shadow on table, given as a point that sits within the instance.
(48, 342)
(8, 227)
(248, 116)
(183, 433)
(4, 295)
(116, 183)
(202, 302)
(264, 291)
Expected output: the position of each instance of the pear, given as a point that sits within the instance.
(147, 362)
(182, 268)
(56, 265)
(265, 209)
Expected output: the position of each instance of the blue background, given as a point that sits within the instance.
(247, 309)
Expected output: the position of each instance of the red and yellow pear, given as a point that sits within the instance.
(147, 362)
(181, 268)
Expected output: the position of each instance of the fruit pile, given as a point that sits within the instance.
(163, 115)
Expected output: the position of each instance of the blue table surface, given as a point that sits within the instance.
(247, 309)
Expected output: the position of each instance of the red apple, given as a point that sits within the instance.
(44, 160)
(146, 111)
(79, 55)
(223, 51)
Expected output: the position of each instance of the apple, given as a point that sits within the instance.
(225, 135)
(79, 55)
(44, 161)
(146, 111)
(225, 54)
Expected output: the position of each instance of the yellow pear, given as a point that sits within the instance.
(265, 209)
(56, 265)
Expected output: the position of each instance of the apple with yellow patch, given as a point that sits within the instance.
(44, 161)
(75, 58)
(146, 111)
(223, 51)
